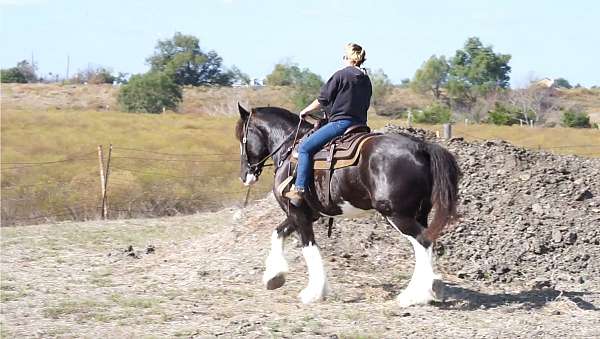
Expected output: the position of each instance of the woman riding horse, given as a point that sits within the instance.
(346, 97)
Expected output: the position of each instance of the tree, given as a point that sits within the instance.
(182, 59)
(382, 86)
(562, 83)
(284, 74)
(12, 75)
(306, 89)
(151, 92)
(24, 72)
(306, 84)
(94, 75)
(431, 77)
(28, 70)
(238, 76)
(476, 71)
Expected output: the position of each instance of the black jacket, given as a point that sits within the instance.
(347, 95)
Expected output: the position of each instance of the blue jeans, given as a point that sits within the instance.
(312, 144)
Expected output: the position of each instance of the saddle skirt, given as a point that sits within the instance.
(342, 151)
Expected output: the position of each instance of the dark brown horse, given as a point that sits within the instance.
(398, 176)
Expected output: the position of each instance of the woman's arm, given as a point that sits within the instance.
(311, 107)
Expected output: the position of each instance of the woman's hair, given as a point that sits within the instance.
(355, 53)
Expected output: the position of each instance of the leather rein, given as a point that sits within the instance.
(256, 168)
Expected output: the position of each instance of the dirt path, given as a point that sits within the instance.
(200, 275)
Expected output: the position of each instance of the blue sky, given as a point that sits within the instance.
(545, 38)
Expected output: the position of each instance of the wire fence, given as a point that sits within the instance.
(136, 182)
(130, 182)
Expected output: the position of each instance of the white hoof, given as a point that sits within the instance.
(414, 296)
(311, 295)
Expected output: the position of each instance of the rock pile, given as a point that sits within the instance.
(526, 216)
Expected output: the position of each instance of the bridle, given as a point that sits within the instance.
(256, 168)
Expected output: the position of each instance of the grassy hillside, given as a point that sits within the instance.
(162, 164)
(170, 163)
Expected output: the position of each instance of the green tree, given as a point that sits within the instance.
(432, 76)
(284, 74)
(151, 92)
(382, 86)
(306, 84)
(238, 75)
(476, 71)
(12, 75)
(182, 59)
(562, 83)
(306, 89)
(28, 70)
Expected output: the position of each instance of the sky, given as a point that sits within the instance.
(550, 38)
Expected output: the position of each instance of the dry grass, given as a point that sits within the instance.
(191, 179)
(202, 172)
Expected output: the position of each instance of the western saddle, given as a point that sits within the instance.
(342, 151)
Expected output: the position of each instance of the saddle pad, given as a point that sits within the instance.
(348, 156)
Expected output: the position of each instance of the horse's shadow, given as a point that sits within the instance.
(460, 298)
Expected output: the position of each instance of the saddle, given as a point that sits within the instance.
(342, 151)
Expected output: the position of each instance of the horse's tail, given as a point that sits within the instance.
(444, 194)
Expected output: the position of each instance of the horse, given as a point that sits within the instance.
(399, 176)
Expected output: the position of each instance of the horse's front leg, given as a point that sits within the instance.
(317, 287)
(276, 266)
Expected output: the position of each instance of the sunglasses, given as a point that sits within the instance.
(345, 57)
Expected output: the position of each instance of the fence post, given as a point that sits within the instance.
(447, 131)
(105, 197)
(409, 119)
(102, 184)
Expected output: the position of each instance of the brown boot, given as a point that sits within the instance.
(295, 195)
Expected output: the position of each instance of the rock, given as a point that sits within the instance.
(586, 194)
(556, 236)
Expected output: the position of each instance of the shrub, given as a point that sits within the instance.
(433, 114)
(502, 115)
(150, 92)
(575, 119)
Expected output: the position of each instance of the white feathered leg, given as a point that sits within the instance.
(317, 287)
(276, 266)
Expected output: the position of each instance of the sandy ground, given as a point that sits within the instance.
(200, 276)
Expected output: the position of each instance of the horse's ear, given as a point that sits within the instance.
(243, 112)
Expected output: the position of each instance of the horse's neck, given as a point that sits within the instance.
(278, 135)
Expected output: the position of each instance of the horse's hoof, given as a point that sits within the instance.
(311, 295)
(415, 297)
(276, 282)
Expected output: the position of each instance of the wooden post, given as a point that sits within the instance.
(102, 185)
(409, 119)
(447, 131)
(104, 197)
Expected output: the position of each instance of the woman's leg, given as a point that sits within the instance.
(313, 144)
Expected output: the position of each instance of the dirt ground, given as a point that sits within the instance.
(200, 276)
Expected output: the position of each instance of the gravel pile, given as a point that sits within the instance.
(526, 216)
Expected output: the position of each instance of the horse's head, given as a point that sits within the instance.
(253, 146)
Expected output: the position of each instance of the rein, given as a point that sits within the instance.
(254, 168)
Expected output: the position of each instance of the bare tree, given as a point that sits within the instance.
(534, 102)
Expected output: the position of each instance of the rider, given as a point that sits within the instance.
(346, 97)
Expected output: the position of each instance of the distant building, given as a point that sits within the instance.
(546, 83)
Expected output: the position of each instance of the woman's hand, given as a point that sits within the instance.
(313, 106)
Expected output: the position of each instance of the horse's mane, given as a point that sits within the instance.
(281, 113)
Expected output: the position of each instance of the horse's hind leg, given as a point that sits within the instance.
(420, 287)
(276, 266)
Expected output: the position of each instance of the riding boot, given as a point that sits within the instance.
(296, 195)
